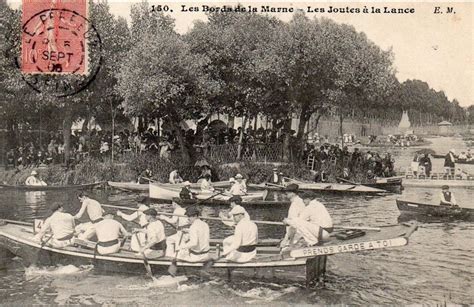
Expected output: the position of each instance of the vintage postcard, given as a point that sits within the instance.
(236, 152)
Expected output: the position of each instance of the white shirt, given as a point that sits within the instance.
(175, 178)
(230, 215)
(177, 220)
(108, 230)
(238, 189)
(32, 180)
(296, 207)
(155, 232)
(93, 207)
(206, 186)
(316, 213)
(142, 221)
(198, 237)
(60, 223)
(246, 233)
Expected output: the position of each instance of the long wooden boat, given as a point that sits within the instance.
(323, 187)
(52, 187)
(388, 183)
(168, 192)
(435, 211)
(438, 183)
(143, 187)
(18, 240)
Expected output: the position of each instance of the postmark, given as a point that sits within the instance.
(61, 48)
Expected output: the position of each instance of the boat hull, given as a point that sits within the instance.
(51, 187)
(167, 192)
(435, 211)
(330, 188)
(437, 183)
(143, 187)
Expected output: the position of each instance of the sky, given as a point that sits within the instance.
(436, 48)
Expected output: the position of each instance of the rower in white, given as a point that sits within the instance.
(196, 249)
(140, 238)
(238, 186)
(175, 177)
(34, 180)
(296, 207)
(181, 224)
(155, 245)
(314, 224)
(108, 232)
(241, 247)
(94, 211)
(227, 218)
(62, 226)
(206, 184)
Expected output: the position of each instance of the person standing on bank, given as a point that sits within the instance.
(426, 163)
(447, 197)
(242, 246)
(450, 163)
(62, 226)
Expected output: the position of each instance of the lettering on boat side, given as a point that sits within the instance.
(346, 248)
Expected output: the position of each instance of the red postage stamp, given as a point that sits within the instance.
(54, 37)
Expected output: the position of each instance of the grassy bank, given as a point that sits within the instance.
(93, 170)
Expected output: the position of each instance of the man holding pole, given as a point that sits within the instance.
(196, 248)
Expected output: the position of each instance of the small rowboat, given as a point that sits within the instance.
(169, 192)
(51, 187)
(435, 211)
(388, 183)
(17, 238)
(219, 202)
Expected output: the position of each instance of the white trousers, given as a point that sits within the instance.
(237, 256)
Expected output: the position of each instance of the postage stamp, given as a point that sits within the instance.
(57, 42)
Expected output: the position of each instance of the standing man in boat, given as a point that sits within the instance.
(94, 211)
(235, 206)
(175, 177)
(296, 207)
(180, 223)
(450, 163)
(242, 246)
(196, 248)
(314, 223)
(139, 217)
(34, 179)
(425, 161)
(155, 245)
(62, 226)
(108, 232)
(447, 197)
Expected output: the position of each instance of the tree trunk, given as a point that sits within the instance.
(286, 140)
(186, 159)
(67, 124)
(341, 132)
(241, 137)
(300, 140)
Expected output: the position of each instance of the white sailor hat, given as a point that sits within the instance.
(186, 183)
(231, 179)
(239, 176)
(34, 173)
(237, 210)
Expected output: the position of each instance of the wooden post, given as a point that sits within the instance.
(315, 270)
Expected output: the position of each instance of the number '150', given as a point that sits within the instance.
(160, 8)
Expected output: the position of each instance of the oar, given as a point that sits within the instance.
(145, 260)
(149, 179)
(17, 222)
(347, 181)
(173, 268)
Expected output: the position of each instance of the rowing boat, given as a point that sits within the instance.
(387, 183)
(51, 187)
(169, 192)
(142, 187)
(435, 211)
(219, 202)
(438, 183)
(18, 239)
(322, 187)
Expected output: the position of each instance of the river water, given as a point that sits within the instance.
(435, 268)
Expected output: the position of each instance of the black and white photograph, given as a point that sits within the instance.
(226, 153)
